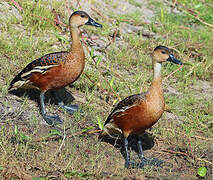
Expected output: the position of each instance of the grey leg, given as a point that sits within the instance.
(51, 120)
(145, 160)
(127, 158)
(140, 149)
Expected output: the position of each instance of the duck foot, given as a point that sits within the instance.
(52, 120)
(145, 161)
(131, 164)
(151, 161)
(70, 109)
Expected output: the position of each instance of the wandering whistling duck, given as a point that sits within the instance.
(56, 70)
(138, 112)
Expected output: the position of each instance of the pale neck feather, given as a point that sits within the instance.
(157, 70)
(155, 93)
(156, 81)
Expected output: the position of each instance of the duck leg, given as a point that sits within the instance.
(51, 120)
(128, 163)
(70, 109)
(145, 160)
(127, 158)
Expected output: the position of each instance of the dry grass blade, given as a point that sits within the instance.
(192, 69)
(17, 5)
(62, 143)
(98, 84)
(167, 77)
(175, 152)
(57, 18)
(191, 13)
(209, 162)
(194, 136)
(102, 15)
(98, 69)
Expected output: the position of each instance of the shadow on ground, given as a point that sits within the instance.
(33, 94)
(117, 142)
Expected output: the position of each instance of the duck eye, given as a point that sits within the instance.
(163, 52)
(82, 16)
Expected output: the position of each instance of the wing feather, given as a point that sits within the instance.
(125, 104)
(40, 65)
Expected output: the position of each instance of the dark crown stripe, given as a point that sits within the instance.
(162, 47)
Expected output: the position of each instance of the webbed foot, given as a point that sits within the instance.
(151, 161)
(70, 109)
(131, 164)
(52, 120)
(145, 161)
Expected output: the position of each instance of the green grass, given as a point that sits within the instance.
(30, 148)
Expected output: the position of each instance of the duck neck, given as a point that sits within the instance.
(157, 81)
(154, 98)
(157, 70)
(76, 43)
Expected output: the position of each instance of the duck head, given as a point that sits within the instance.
(79, 18)
(162, 54)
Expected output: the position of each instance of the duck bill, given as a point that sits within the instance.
(174, 60)
(91, 22)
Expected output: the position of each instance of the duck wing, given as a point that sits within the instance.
(125, 104)
(40, 65)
